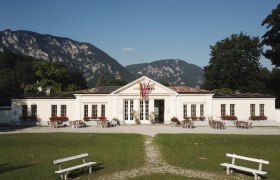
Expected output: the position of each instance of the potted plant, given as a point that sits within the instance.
(175, 121)
(136, 117)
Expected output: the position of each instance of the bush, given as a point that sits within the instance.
(229, 117)
(175, 120)
(102, 118)
(25, 118)
(59, 118)
(258, 118)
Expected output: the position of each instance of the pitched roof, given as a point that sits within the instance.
(99, 90)
(189, 90)
(65, 95)
(242, 95)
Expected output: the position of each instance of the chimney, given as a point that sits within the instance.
(48, 90)
(236, 91)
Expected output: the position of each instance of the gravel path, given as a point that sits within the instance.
(155, 164)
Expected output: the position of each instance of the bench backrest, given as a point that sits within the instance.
(58, 161)
(248, 158)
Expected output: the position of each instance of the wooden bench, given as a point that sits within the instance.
(64, 172)
(255, 172)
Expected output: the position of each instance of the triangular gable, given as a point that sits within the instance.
(148, 85)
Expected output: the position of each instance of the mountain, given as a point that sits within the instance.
(173, 71)
(80, 56)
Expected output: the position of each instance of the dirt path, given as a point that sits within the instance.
(155, 164)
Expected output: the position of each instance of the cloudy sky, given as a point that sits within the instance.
(134, 31)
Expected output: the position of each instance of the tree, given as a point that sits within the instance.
(234, 64)
(100, 81)
(272, 36)
(116, 82)
(55, 75)
(274, 84)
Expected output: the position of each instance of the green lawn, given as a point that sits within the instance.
(30, 156)
(206, 152)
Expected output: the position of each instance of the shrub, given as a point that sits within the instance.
(25, 118)
(229, 117)
(102, 118)
(59, 118)
(258, 118)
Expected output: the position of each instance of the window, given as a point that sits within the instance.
(147, 110)
(185, 110)
(252, 109)
(86, 110)
(144, 110)
(54, 110)
(261, 109)
(232, 109)
(201, 110)
(63, 110)
(34, 110)
(193, 110)
(125, 110)
(94, 111)
(223, 109)
(103, 110)
(128, 110)
(24, 111)
(131, 110)
(141, 110)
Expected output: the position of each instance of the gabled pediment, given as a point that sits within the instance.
(149, 86)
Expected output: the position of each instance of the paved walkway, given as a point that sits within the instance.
(150, 130)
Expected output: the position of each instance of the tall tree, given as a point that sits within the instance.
(272, 37)
(234, 64)
(101, 80)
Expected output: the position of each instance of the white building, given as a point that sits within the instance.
(142, 97)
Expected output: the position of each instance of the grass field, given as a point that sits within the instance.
(30, 156)
(206, 152)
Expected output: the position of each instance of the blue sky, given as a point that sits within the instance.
(135, 31)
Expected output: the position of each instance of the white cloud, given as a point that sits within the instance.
(128, 49)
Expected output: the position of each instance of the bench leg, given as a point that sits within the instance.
(66, 176)
(255, 177)
(227, 170)
(90, 170)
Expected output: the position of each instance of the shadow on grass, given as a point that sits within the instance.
(9, 167)
(81, 172)
(246, 173)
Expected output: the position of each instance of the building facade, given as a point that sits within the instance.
(142, 99)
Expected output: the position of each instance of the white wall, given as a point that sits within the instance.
(5, 115)
(43, 108)
(242, 107)
(197, 99)
(277, 115)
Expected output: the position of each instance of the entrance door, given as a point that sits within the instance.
(159, 111)
(128, 110)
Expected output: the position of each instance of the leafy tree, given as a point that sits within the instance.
(165, 83)
(116, 82)
(274, 84)
(234, 64)
(272, 36)
(100, 81)
(9, 87)
(55, 75)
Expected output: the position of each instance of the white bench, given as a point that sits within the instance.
(256, 172)
(64, 172)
